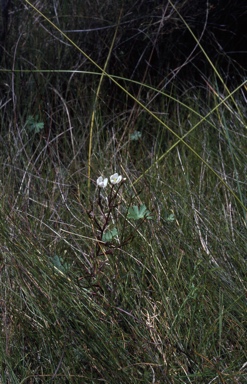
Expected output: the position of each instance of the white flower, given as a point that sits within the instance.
(116, 178)
(101, 182)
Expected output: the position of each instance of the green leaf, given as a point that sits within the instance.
(59, 264)
(171, 217)
(109, 235)
(33, 124)
(135, 136)
(137, 213)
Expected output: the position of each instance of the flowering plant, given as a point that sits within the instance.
(113, 219)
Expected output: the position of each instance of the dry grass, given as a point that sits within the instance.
(164, 301)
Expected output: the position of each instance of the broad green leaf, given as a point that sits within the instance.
(135, 136)
(109, 235)
(171, 217)
(59, 264)
(137, 213)
(33, 124)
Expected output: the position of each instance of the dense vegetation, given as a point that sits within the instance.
(140, 278)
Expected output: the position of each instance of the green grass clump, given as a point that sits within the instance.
(140, 279)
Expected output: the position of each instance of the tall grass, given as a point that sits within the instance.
(164, 301)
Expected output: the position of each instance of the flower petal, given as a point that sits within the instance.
(115, 178)
(101, 182)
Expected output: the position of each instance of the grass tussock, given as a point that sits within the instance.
(141, 279)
